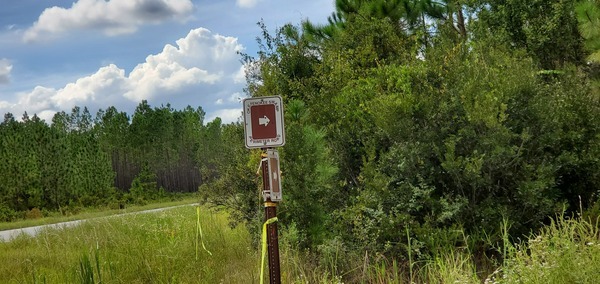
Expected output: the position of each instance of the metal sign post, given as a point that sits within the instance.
(271, 212)
(272, 193)
(263, 128)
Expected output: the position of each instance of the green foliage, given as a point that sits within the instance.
(454, 135)
(341, 105)
(236, 185)
(7, 214)
(588, 16)
(307, 178)
(211, 150)
(547, 30)
(144, 187)
(78, 161)
(566, 251)
(459, 150)
(50, 167)
(410, 16)
(34, 213)
(410, 125)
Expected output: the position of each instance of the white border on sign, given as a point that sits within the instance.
(264, 143)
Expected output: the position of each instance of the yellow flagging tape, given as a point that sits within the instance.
(199, 233)
(264, 247)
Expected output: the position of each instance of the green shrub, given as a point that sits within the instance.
(34, 213)
(7, 214)
(144, 187)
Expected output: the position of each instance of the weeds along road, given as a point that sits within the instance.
(8, 235)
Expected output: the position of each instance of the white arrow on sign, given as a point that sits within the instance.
(263, 120)
(274, 176)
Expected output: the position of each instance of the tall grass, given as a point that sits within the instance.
(140, 248)
(566, 251)
(163, 248)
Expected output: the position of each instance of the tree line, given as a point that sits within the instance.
(110, 159)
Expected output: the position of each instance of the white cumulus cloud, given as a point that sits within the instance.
(5, 105)
(38, 99)
(247, 3)
(226, 115)
(201, 69)
(201, 58)
(104, 86)
(5, 68)
(112, 17)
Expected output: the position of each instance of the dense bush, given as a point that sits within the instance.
(432, 133)
(6, 213)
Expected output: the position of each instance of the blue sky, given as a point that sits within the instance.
(55, 55)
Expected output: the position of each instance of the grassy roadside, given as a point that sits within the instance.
(158, 247)
(166, 247)
(565, 251)
(89, 213)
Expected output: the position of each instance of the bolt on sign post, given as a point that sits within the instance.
(263, 128)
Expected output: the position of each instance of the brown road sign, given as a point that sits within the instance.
(263, 122)
(262, 126)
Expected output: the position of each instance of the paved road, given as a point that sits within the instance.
(8, 235)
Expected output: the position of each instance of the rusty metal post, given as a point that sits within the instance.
(272, 237)
(272, 244)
